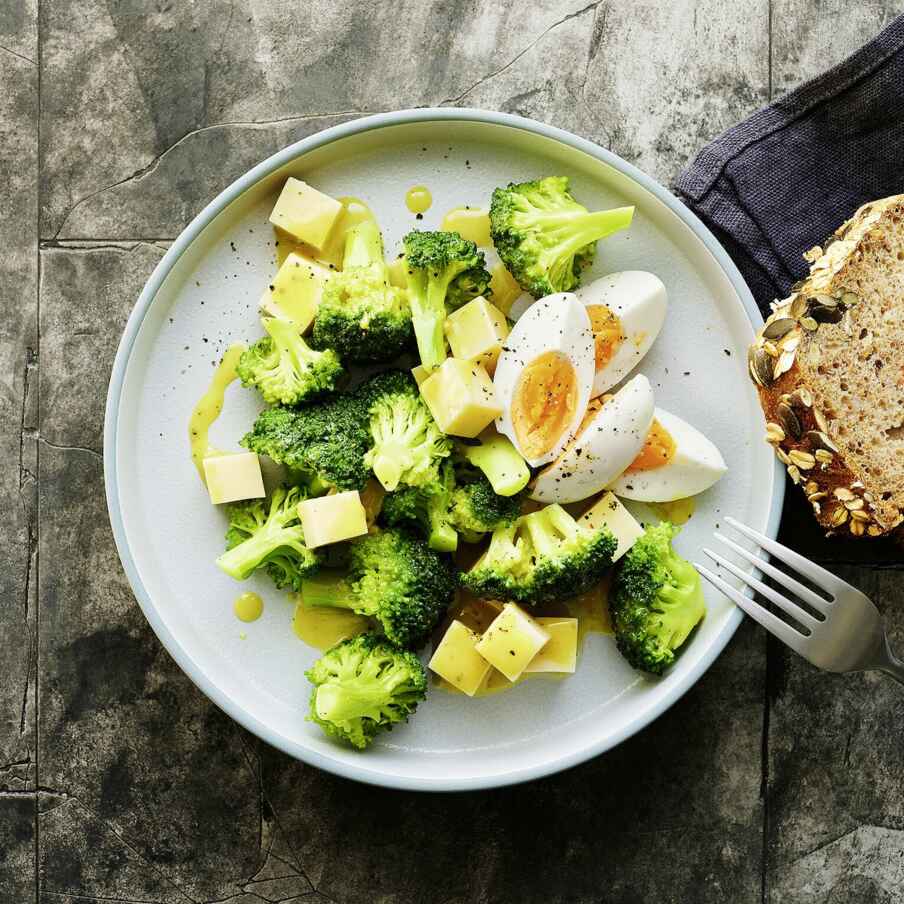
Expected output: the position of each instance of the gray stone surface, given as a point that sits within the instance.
(119, 781)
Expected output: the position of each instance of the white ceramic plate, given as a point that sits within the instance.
(203, 295)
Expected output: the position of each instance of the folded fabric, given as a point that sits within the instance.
(786, 178)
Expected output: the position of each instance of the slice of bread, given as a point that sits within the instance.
(829, 365)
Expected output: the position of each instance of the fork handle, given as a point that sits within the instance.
(892, 665)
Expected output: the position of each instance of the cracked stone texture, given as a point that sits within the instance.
(118, 781)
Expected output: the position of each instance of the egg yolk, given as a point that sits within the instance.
(658, 450)
(544, 403)
(607, 333)
(593, 406)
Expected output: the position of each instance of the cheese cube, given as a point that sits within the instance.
(561, 653)
(295, 291)
(504, 287)
(420, 373)
(305, 213)
(329, 519)
(513, 639)
(461, 397)
(476, 332)
(457, 661)
(230, 478)
(608, 511)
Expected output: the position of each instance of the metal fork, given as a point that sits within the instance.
(848, 637)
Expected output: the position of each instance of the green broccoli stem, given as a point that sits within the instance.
(286, 338)
(575, 232)
(428, 316)
(443, 537)
(241, 561)
(327, 588)
(363, 246)
(547, 527)
(500, 462)
(341, 702)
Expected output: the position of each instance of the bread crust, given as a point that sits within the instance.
(781, 362)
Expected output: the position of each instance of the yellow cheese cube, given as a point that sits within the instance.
(295, 291)
(608, 511)
(561, 653)
(457, 661)
(305, 213)
(420, 373)
(505, 288)
(230, 478)
(476, 332)
(513, 639)
(461, 397)
(329, 519)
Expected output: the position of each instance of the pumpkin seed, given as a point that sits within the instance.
(824, 314)
(849, 298)
(789, 421)
(802, 396)
(826, 301)
(809, 324)
(760, 367)
(820, 440)
(778, 328)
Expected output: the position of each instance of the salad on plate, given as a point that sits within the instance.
(439, 472)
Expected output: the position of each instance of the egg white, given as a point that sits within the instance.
(557, 323)
(603, 449)
(639, 300)
(696, 465)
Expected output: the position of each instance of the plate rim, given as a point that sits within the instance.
(111, 416)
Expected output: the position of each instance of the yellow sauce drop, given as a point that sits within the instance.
(354, 211)
(658, 450)
(209, 407)
(679, 511)
(607, 333)
(248, 607)
(470, 223)
(418, 199)
(544, 402)
(321, 627)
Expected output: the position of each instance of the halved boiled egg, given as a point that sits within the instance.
(676, 461)
(610, 437)
(626, 311)
(544, 376)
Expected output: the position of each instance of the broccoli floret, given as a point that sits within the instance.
(284, 368)
(426, 508)
(267, 534)
(443, 270)
(543, 557)
(544, 237)
(656, 600)
(391, 576)
(408, 446)
(363, 686)
(476, 509)
(499, 460)
(361, 315)
(326, 440)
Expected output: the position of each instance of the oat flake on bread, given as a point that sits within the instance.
(829, 366)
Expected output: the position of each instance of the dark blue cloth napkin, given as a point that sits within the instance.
(785, 179)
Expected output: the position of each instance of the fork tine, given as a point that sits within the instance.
(808, 569)
(795, 611)
(772, 623)
(808, 596)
